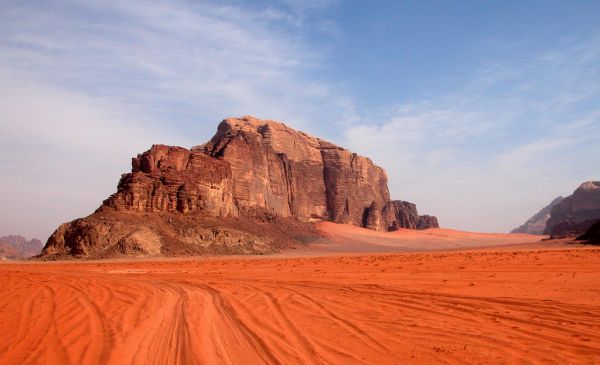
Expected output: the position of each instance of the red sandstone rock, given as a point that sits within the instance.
(400, 214)
(293, 174)
(252, 170)
(169, 179)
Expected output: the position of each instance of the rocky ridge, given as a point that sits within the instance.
(537, 223)
(17, 247)
(576, 213)
(253, 188)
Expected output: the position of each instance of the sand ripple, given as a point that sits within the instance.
(495, 307)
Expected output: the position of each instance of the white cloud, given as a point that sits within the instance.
(490, 154)
(88, 84)
(212, 60)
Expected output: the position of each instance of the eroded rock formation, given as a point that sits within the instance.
(576, 213)
(400, 214)
(251, 171)
(18, 247)
(175, 179)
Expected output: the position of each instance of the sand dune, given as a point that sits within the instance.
(493, 307)
(342, 238)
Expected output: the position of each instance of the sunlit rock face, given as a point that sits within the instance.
(251, 169)
(291, 173)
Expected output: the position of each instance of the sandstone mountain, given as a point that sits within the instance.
(537, 223)
(18, 247)
(576, 213)
(253, 188)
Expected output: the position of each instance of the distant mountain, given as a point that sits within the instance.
(537, 223)
(17, 247)
(576, 213)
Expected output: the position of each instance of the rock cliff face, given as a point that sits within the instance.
(400, 214)
(174, 179)
(18, 247)
(577, 212)
(537, 223)
(251, 171)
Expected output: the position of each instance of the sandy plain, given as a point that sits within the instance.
(358, 299)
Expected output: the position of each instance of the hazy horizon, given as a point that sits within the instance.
(481, 113)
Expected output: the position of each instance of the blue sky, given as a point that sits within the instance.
(481, 112)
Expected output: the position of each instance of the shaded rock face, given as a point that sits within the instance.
(356, 189)
(576, 213)
(253, 170)
(18, 247)
(592, 235)
(537, 223)
(400, 214)
(274, 168)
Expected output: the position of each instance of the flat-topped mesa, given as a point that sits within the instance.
(255, 164)
(251, 170)
(290, 173)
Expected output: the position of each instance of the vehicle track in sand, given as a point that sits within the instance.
(496, 307)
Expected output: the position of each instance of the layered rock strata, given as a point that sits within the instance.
(576, 213)
(251, 170)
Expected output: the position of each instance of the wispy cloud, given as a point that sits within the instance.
(508, 141)
(84, 83)
(87, 83)
(209, 59)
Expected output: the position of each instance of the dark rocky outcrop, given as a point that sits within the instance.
(576, 213)
(17, 247)
(400, 214)
(252, 173)
(537, 223)
(592, 235)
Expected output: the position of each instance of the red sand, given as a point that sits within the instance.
(494, 306)
(346, 239)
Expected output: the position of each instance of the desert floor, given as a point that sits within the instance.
(518, 303)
